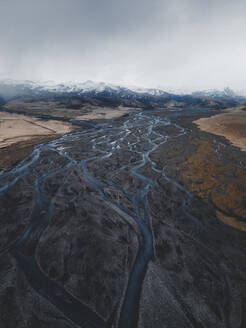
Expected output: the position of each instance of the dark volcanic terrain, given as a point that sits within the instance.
(138, 221)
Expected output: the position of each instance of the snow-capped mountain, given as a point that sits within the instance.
(214, 93)
(107, 94)
(99, 87)
(78, 87)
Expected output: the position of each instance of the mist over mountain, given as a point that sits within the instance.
(107, 94)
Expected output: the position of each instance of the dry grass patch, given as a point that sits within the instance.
(231, 125)
(211, 179)
(19, 134)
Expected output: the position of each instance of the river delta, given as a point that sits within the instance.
(137, 221)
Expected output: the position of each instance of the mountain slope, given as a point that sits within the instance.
(106, 94)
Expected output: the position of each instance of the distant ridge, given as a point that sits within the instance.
(78, 87)
(108, 94)
(97, 87)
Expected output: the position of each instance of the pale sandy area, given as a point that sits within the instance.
(15, 128)
(105, 113)
(231, 125)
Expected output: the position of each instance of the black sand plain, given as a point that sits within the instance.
(135, 222)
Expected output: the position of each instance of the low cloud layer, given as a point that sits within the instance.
(193, 44)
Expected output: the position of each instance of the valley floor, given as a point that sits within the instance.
(136, 222)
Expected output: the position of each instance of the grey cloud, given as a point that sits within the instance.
(179, 43)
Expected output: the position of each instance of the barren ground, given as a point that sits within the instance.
(138, 222)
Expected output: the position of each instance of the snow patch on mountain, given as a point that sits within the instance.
(99, 87)
(79, 87)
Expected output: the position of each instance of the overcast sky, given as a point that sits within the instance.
(193, 44)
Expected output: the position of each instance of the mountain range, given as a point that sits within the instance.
(104, 93)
